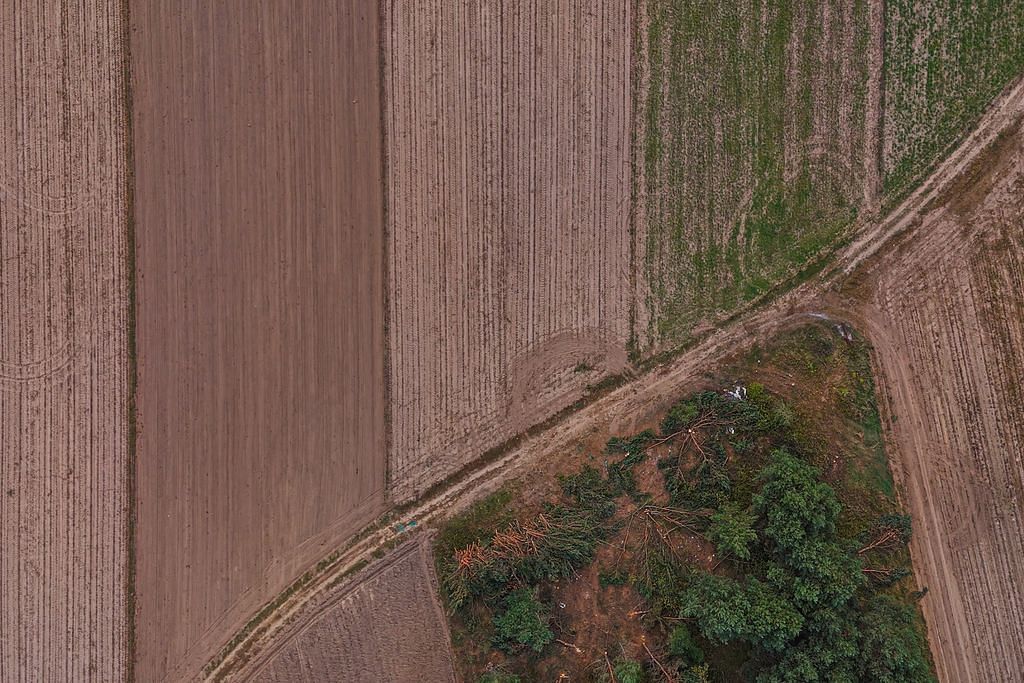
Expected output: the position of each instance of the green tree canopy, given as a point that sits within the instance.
(726, 610)
(892, 649)
(795, 504)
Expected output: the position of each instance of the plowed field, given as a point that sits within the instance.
(384, 624)
(508, 211)
(64, 353)
(260, 307)
(947, 321)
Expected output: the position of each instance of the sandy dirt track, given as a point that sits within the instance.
(64, 363)
(260, 307)
(384, 624)
(508, 195)
(947, 322)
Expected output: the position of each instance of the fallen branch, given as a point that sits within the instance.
(664, 672)
(611, 671)
(569, 645)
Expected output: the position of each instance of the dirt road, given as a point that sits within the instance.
(64, 343)
(260, 307)
(947, 322)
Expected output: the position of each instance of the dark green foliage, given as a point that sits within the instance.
(752, 612)
(794, 503)
(892, 649)
(697, 673)
(682, 646)
(888, 531)
(818, 573)
(631, 446)
(661, 581)
(795, 603)
(590, 491)
(629, 671)
(706, 486)
(550, 547)
(523, 623)
(616, 578)
(714, 412)
(620, 473)
(732, 531)
(826, 651)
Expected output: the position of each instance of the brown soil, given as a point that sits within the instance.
(64, 351)
(508, 200)
(260, 308)
(383, 624)
(947, 322)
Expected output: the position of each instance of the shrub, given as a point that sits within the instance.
(523, 623)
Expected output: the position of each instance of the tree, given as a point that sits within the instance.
(726, 610)
(826, 650)
(732, 531)
(817, 574)
(794, 503)
(523, 623)
(892, 649)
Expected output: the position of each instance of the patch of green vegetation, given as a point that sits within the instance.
(945, 60)
(743, 185)
(478, 523)
(809, 575)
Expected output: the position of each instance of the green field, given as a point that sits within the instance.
(750, 131)
(945, 60)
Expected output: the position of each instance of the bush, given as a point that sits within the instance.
(626, 671)
(523, 623)
(499, 676)
(682, 646)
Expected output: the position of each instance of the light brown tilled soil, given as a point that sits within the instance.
(64, 363)
(947, 322)
(260, 307)
(383, 624)
(508, 199)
